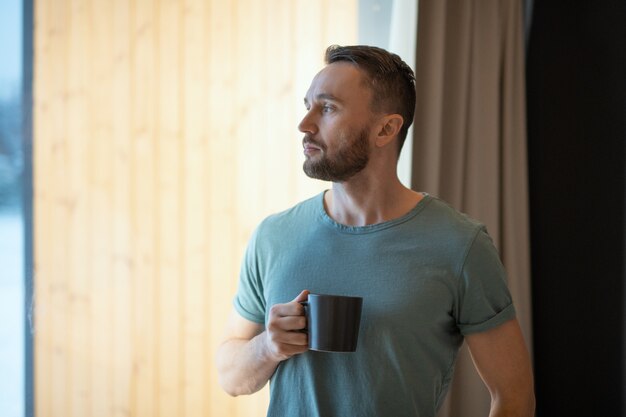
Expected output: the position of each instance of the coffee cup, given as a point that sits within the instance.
(333, 322)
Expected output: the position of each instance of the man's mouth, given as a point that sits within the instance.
(310, 147)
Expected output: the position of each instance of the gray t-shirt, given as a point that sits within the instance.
(426, 279)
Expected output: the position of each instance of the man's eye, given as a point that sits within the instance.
(327, 108)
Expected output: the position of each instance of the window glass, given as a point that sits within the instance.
(11, 218)
(392, 25)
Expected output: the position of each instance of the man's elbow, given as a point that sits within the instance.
(235, 388)
(521, 404)
(228, 388)
(527, 405)
(527, 399)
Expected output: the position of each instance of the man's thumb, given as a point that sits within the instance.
(302, 296)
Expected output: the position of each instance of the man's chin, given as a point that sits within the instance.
(321, 174)
(315, 172)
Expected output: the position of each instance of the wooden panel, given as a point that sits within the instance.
(102, 221)
(79, 288)
(122, 288)
(195, 132)
(49, 124)
(144, 390)
(168, 207)
(165, 131)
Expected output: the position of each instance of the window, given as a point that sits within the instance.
(392, 25)
(14, 340)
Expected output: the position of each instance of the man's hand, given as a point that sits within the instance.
(283, 336)
(250, 352)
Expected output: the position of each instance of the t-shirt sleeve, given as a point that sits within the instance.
(249, 301)
(484, 298)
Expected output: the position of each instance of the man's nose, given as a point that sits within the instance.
(307, 124)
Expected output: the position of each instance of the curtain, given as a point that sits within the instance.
(470, 143)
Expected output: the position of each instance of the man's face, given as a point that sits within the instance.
(338, 123)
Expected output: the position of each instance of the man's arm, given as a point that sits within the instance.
(503, 362)
(249, 354)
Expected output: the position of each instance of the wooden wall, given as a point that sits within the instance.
(163, 132)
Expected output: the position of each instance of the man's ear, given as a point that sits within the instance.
(389, 128)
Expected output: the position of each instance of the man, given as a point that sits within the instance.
(430, 277)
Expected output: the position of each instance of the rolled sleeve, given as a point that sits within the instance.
(484, 300)
(249, 301)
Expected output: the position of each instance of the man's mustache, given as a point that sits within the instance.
(308, 140)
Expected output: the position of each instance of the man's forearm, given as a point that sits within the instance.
(244, 366)
(520, 407)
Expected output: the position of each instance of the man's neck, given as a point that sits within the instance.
(363, 201)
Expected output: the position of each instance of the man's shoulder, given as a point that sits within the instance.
(447, 219)
(449, 232)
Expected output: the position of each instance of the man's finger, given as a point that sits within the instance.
(290, 323)
(303, 296)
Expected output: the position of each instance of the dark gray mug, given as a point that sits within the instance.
(333, 322)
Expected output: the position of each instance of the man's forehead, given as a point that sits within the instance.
(334, 80)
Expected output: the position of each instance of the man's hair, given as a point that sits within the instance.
(391, 80)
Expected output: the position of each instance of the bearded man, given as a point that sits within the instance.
(430, 277)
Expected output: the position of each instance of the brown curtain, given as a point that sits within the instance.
(470, 142)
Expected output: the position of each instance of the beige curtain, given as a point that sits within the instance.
(470, 142)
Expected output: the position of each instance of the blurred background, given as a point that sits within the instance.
(142, 141)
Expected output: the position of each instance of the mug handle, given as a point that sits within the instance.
(305, 304)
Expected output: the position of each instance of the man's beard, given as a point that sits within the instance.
(350, 158)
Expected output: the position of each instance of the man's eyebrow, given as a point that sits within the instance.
(324, 96)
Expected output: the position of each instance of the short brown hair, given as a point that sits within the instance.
(392, 81)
